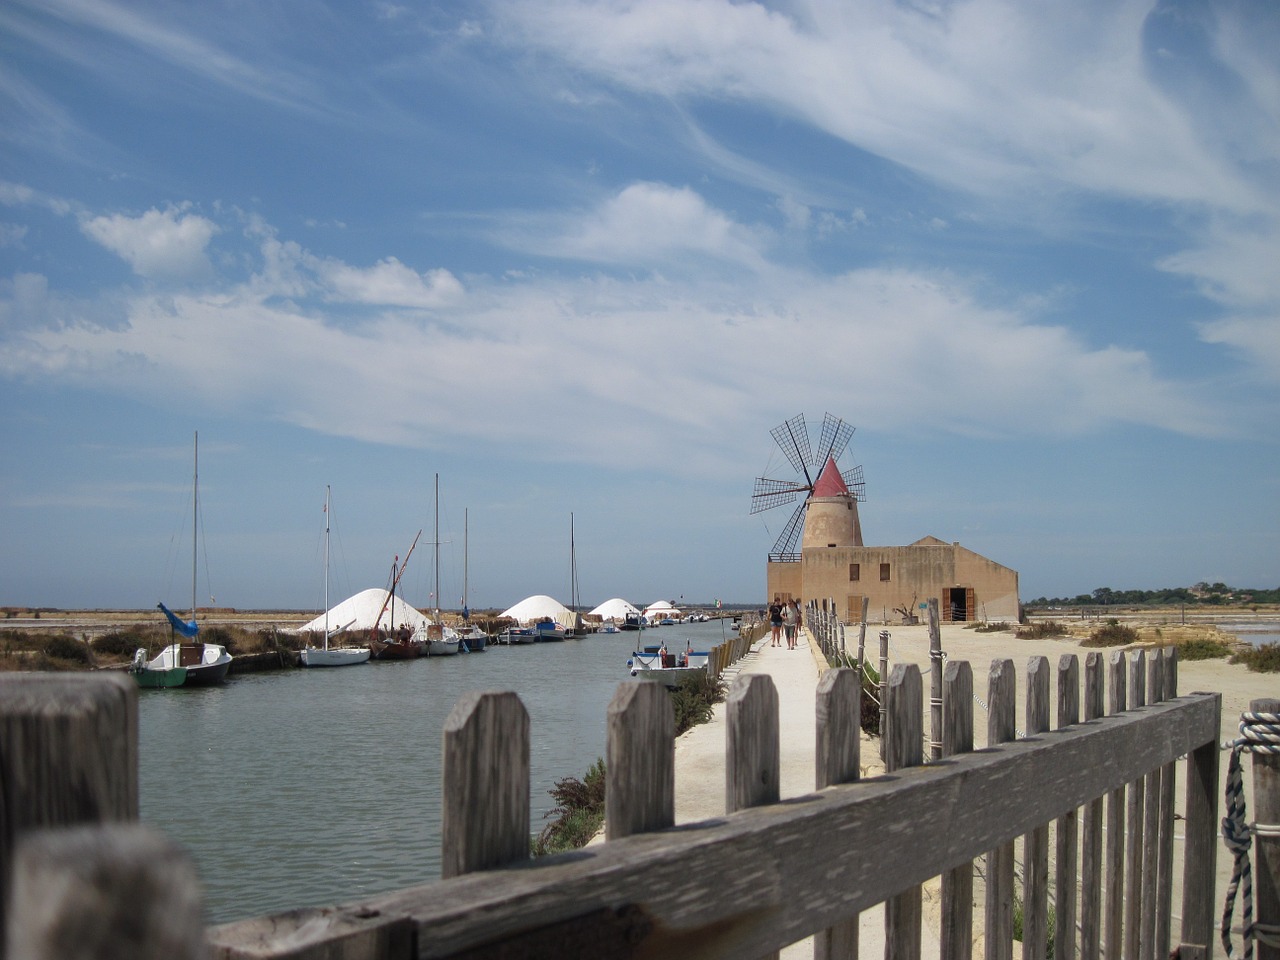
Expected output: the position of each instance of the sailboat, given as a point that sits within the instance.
(576, 628)
(473, 638)
(184, 664)
(325, 656)
(442, 641)
(399, 644)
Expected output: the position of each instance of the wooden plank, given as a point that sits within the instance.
(1002, 709)
(1133, 847)
(1035, 845)
(839, 714)
(903, 911)
(120, 890)
(1066, 839)
(1168, 778)
(1151, 827)
(485, 781)
(1199, 852)
(935, 682)
(68, 755)
(956, 933)
(1113, 918)
(640, 761)
(727, 887)
(1091, 827)
(1266, 846)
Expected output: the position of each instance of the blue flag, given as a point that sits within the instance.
(188, 628)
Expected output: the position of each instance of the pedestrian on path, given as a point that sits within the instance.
(775, 622)
(791, 622)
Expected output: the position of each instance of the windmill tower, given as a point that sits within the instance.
(828, 514)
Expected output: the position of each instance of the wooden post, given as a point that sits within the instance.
(1066, 848)
(1135, 820)
(640, 761)
(1151, 826)
(1164, 882)
(1002, 709)
(121, 890)
(485, 784)
(884, 687)
(68, 755)
(839, 715)
(956, 934)
(935, 682)
(1091, 827)
(753, 759)
(903, 911)
(1113, 922)
(1266, 847)
(862, 631)
(1035, 845)
(1199, 856)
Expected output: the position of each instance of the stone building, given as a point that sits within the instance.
(834, 565)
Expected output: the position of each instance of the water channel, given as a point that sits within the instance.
(314, 787)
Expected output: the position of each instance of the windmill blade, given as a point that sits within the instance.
(785, 545)
(792, 438)
(772, 493)
(853, 480)
(835, 437)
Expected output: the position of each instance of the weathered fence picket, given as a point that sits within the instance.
(767, 873)
(1066, 836)
(1134, 819)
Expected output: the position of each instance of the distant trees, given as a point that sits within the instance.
(1202, 593)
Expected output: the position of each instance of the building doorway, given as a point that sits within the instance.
(959, 604)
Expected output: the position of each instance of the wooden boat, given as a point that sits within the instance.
(397, 643)
(326, 656)
(190, 663)
(547, 630)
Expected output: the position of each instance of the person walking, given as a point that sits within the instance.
(791, 622)
(775, 622)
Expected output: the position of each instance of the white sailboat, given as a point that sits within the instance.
(442, 641)
(472, 636)
(576, 628)
(190, 663)
(327, 656)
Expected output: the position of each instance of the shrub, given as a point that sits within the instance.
(118, 643)
(994, 626)
(1263, 659)
(579, 812)
(1113, 634)
(62, 646)
(694, 700)
(1050, 925)
(1040, 630)
(1202, 648)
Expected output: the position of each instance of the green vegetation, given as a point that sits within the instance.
(1112, 634)
(695, 699)
(994, 626)
(1041, 630)
(1202, 648)
(1208, 594)
(1263, 659)
(1050, 926)
(870, 716)
(578, 813)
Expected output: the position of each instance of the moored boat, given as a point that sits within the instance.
(657, 664)
(326, 656)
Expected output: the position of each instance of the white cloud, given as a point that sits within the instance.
(158, 244)
(649, 224)
(389, 283)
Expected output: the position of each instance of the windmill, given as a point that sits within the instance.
(812, 472)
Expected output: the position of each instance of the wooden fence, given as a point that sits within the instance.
(766, 874)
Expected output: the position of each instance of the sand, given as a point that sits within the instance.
(700, 790)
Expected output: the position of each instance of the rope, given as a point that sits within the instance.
(1259, 733)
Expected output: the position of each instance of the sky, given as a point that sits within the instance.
(577, 258)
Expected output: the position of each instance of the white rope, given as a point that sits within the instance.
(1259, 733)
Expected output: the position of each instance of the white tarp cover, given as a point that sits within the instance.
(661, 609)
(359, 612)
(537, 607)
(615, 609)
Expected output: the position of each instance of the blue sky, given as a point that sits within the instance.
(580, 257)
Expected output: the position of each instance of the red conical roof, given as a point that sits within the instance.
(830, 483)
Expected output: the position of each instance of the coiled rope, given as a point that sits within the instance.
(1259, 733)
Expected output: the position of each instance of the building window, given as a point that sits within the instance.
(855, 571)
(884, 571)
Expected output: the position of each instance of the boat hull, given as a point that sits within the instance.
(336, 657)
(185, 664)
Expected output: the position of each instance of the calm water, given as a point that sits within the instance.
(314, 787)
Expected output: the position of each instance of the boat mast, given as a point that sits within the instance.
(465, 567)
(437, 562)
(195, 521)
(326, 566)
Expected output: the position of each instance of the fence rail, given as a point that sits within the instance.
(767, 873)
